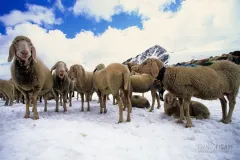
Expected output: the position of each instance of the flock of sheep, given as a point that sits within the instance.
(31, 78)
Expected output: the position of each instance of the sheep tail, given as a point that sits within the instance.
(126, 81)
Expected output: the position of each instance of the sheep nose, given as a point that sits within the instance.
(24, 52)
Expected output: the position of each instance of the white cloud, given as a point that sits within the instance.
(96, 9)
(36, 14)
(200, 28)
(105, 9)
(59, 5)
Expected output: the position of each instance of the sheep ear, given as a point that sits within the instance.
(154, 69)
(12, 51)
(33, 50)
(95, 70)
(66, 69)
(53, 67)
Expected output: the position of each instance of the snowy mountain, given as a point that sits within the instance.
(155, 51)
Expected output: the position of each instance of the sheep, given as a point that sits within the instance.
(7, 88)
(221, 78)
(129, 65)
(143, 83)
(111, 80)
(139, 101)
(29, 74)
(61, 84)
(196, 109)
(84, 82)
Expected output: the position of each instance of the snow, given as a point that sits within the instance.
(91, 135)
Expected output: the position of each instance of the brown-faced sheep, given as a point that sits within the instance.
(84, 82)
(111, 80)
(196, 109)
(221, 78)
(139, 101)
(7, 88)
(29, 74)
(61, 84)
(129, 65)
(143, 83)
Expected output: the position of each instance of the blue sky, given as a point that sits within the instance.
(72, 24)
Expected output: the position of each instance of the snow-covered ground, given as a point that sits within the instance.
(90, 135)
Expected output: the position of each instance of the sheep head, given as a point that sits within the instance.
(23, 49)
(170, 101)
(61, 69)
(150, 66)
(99, 67)
(75, 71)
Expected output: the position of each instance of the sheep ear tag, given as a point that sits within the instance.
(154, 69)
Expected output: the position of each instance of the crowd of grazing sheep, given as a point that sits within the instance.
(31, 79)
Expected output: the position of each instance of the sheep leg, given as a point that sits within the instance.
(45, 102)
(11, 101)
(34, 100)
(186, 109)
(128, 104)
(114, 101)
(100, 100)
(104, 104)
(108, 97)
(232, 102)
(153, 93)
(73, 95)
(82, 98)
(87, 98)
(142, 94)
(224, 108)
(120, 105)
(65, 101)
(7, 101)
(70, 98)
(181, 118)
(77, 95)
(158, 101)
(27, 113)
(57, 102)
(61, 101)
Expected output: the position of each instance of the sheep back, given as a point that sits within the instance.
(208, 82)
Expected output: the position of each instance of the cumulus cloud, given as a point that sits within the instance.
(107, 8)
(197, 30)
(35, 13)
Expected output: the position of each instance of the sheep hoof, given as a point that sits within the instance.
(82, 110)
(101, 112)
(226, 121)
(128, 120)
(105, 111)
(120, 121)
(64, 110)
(179, 121)
(150, 110)
(188, 125)
(56, 110)
(36, 117)
(26, 116)
(158, 107)
(45, 110)
(88, 109)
